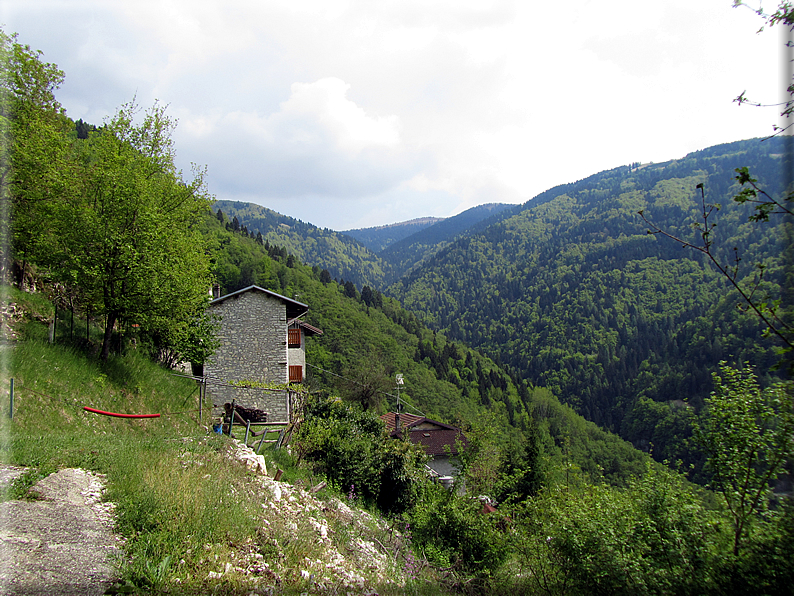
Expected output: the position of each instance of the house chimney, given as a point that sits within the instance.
(397, 421)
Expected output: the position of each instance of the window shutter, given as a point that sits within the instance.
(295, 374)
(294, 338)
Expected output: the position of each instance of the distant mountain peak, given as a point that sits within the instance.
(419, 221)
(379, 237)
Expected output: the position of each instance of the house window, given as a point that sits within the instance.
(295, 374)
(294, 338)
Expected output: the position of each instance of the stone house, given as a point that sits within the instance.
(262, 341)
(440, 441)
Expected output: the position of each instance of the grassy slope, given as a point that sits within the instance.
(184, 506)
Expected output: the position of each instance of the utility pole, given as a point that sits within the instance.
(399, 405)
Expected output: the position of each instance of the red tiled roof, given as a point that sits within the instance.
(405, 420)
(433, 440)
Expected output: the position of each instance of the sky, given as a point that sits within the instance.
(348, 114)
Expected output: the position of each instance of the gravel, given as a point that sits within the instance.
(62, 542)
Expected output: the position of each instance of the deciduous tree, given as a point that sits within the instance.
(33, 151)
(128, 239)
(747, 434)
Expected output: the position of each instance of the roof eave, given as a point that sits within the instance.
(294, 308)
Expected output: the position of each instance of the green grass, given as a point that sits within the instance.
(177, 492)
(183, 505)
(31, 302)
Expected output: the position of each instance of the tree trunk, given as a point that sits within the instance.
(111, 322)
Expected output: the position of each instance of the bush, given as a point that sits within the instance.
(453, 531)
(764, 566)
(350, 448)
(655, 537)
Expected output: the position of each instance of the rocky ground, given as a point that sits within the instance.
(347, 550)
(62, 541)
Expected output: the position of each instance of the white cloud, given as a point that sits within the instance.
(324, 105)
(407, 107)
(318, 142)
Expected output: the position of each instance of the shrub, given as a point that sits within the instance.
(764, 565)
(655, 537)
(453, 531)
(351, 449)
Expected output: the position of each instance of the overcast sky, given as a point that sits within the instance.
(349, 114)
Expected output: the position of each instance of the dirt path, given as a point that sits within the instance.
(60, 544)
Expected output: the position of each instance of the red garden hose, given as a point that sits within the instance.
(121, 415)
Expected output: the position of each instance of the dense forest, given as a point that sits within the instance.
(380, 237)
(570, 292)
(573, 294)
(409, 252)
(371, 256)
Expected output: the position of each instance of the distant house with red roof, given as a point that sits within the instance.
(440, 441)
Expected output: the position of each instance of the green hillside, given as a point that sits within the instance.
(370, 343)
(424, 244)
(573, 294)
(342, 256)
(371, 256)
(380, 237)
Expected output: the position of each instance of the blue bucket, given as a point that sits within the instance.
(217, 428)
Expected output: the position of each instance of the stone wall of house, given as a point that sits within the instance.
(253, 347)
(272, 401)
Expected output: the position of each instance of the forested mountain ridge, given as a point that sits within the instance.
(341, 255)
(412, 250)
(372, 256)
(571, 293)
(380, 237)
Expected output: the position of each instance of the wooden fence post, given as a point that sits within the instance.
(262, 440)
(231, 420)
(280, 438)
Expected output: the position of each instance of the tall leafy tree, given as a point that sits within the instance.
(128, 239)
(33, 151)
